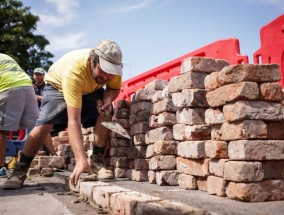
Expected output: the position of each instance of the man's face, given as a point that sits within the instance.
(100, 76)
(38, 77)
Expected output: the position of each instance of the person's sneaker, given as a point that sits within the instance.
(16, 179)
(101, 169)
(3, 173)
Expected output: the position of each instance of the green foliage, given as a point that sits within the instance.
(17, 40)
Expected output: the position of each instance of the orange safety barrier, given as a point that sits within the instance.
(272, 45)
(227, 49)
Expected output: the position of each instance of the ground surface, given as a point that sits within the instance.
(44, 196)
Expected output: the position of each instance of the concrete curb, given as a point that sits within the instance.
(118, 200)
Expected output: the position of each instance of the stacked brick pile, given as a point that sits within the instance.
(139, 124)
(119, 144)
(191, 131)
(247, 140)
(161, 147)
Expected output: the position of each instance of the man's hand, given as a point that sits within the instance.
(102, 106)
(80, 167)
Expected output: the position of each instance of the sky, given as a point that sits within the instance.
(151, 32)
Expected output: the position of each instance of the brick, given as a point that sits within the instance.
(121, 162)
(137, 152)
(166, 119)
(197, 132)
(140, 175)
(269, 190)
(190, 80)
(47, 172)
(102, 194)
(123, 104)
(130, 175)
(211, 81)
(143, 95)
(187, 182)
(150, 152)
(141, 116)
(121, 113)
(215, 132)
(247, 129)
(179, 131)
(232, 92)
(153, 121)
(242, 171)
(140, 106)
(191, 149)
(214, 116)
(216, 185)
(164, 105)
(119, 152)
(191, 116)
(271, 91)
(201, 183)
(167, 207)
(273, 131)
(193, 166)
(139, 140)
(156, 85)
(48, 161)
(256, 150)
(120, 142)
(33, 172)
(86, 188)
(139, 128)
(159, 134)
(261, 110)
(273, 169)
(249, 72)
(165, 147)
(152, 177)
(216, 149)
(190, 98)
(141, 164)
(120, 172)
(216, 167)
(157, 96)
(202, 64)
(160, 162)
(167, 178)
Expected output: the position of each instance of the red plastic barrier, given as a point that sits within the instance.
(21, 134)
(272, 45)
(227, 49)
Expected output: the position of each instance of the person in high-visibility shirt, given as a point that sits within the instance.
(18, 104)
(80, 88)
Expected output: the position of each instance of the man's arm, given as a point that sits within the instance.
(109, 96)
(76, 141)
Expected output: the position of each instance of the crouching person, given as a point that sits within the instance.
(74, 95)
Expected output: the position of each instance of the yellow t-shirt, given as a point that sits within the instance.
(71, 74)
(11, 74)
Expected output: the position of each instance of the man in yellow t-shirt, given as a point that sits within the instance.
(18, 105)
(74, 94)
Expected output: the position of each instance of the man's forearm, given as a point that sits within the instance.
(110, 94)
(75, 138)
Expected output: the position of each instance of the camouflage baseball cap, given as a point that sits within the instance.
(110, 57)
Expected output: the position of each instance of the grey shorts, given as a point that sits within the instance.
(18, 109)
(53, 109)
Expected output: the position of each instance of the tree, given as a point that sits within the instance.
(17, 39)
